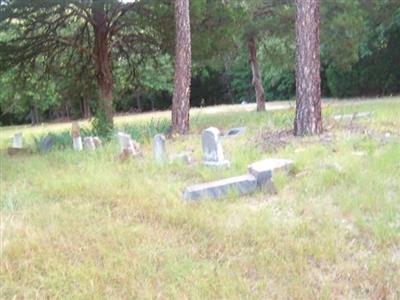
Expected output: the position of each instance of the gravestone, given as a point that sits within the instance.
(47, 143)
(129, 147)
(212, 148)
(159, 150)
(76, 137)
(245, 184)
(97, 142)
(17, 141)
(353, 116)
(88, 143)
(184, 157)
(236, 132)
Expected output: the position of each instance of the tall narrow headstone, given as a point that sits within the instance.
(76, 137)
(212, 148)
(17, 140)
(159, 150)
(88, 143)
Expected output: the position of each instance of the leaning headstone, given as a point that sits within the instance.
(212, 148)
(89, 144)
(159, 150)
(47, 143)
(76, 137)
(218, 189)
(129, 147)
(97, 142)
(17, 141)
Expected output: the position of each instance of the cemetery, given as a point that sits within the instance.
(193, 149)
(119, 202)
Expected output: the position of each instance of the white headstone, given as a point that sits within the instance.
(128, 146)
(212, 148)
(17, 140)
(159, 150)
(88, 143)
(76, 137)
(77, 143)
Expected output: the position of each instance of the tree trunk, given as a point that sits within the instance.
(308, 120)
(102, 60)
(183, 66)
(138, 102)
(257, 80)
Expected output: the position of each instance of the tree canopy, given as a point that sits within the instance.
(71, 59)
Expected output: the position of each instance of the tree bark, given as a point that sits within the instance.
(102, 61)
(257, 80)
(308, 120)
(183, 66)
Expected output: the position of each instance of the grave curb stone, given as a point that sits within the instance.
(244, 184)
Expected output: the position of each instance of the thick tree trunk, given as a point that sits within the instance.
(308, 119)
(102, 60)
(257, 80)
(183, 68)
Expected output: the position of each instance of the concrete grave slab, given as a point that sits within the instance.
(263, 170)
(217, 189)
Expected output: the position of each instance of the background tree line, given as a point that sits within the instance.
(64, 59)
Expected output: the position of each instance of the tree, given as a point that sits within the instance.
(308, 120)
(255, 70)
(61, 34)
(183, 68)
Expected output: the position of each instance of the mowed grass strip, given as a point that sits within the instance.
(82, 225)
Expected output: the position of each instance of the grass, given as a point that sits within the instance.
(82, 226)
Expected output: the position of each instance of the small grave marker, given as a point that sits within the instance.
(76, 137)
(159, 149)
(17, 141)
(212, 148)
(88, 143)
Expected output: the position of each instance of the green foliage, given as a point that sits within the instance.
(101, 126)
(61, 140)
(145, 132)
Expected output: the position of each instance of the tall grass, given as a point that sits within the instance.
(82, 225)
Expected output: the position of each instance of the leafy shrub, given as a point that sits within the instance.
(101, 126)
(145, 132)
(61, 140)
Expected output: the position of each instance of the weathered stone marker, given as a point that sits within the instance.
(88, 143)
(354, 116)
(212, 148)
(184, 157)
(129, 147)
(159, 149)
(17, 145)
(263, 170)
(213, 190)
(47, 143)
(235, 132)
(97, 142)
(17, 141)
(260, 175)
(76, 137)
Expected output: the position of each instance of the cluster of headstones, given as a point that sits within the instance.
(90, 143)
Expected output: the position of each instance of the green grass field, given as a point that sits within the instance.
(79, 225)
